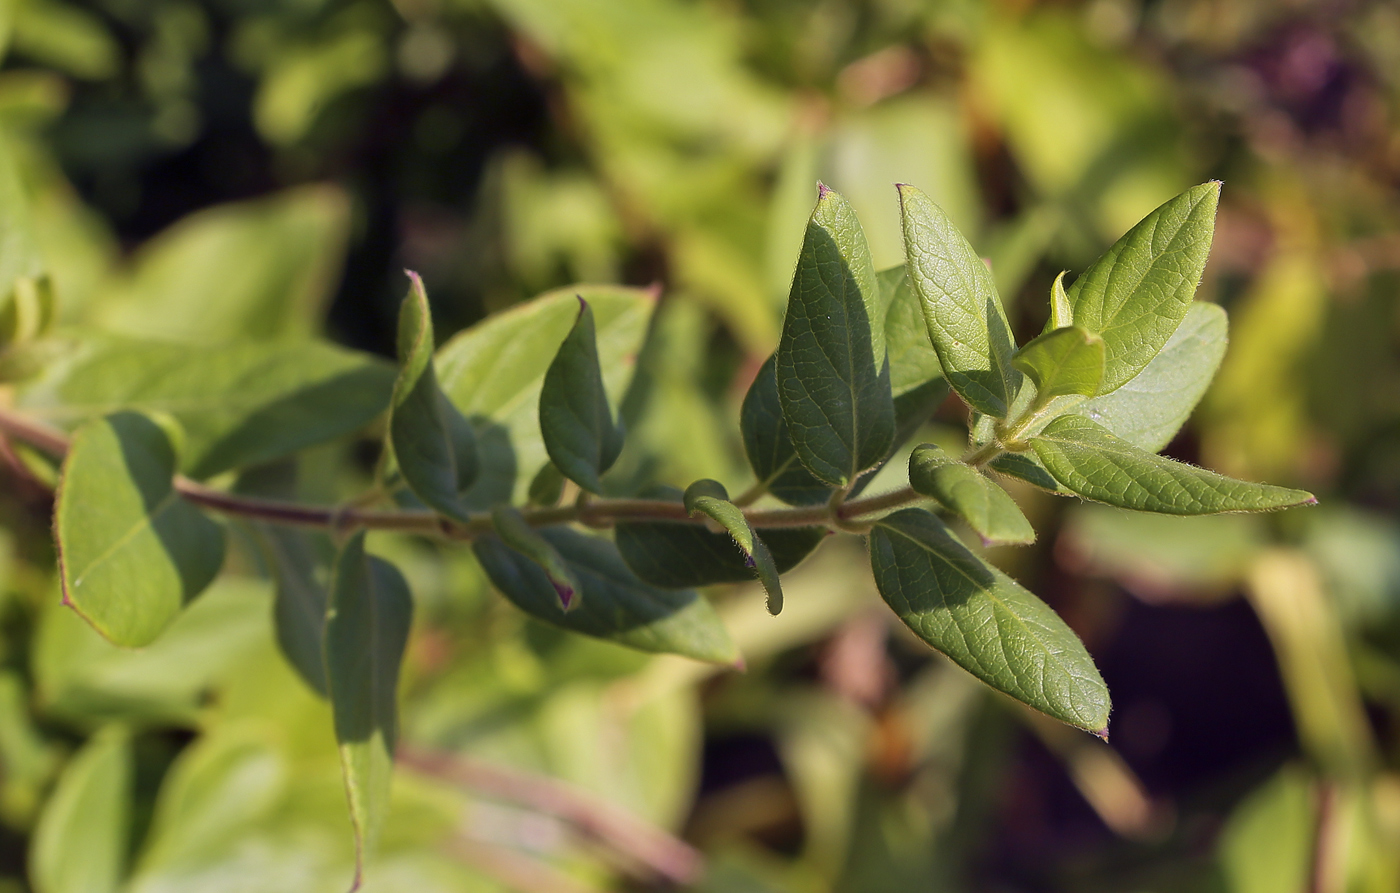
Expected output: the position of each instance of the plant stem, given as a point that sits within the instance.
(592, 512)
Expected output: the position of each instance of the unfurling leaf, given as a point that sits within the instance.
(832, 375)
(579, 433)
(510, 526)
(615, 605)
(709, 498)
(1061, 311)
(961, 307)
(1150, 409)
(983, 620)
(433, 445)
(1137, 293)
(366, 632)
(1063, 362)
(132, 552)
(969, 494)
(1089, 460)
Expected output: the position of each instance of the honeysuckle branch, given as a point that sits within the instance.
(352, 516)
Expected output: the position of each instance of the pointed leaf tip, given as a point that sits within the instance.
(580, 434)
(823, 190)
(982, 619)
(1101, 734)
(831, 365)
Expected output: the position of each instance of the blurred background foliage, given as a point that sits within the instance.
(214, 170)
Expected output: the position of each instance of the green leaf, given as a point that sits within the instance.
(263, 270)
(496, 368)
(913, 361)
(547, 486)
(299, 606)
(433, 445)
(1026, 467)
(132, 553)
(709, 498)
(26, 312)
(961, 307)
(1061, 310)
(578, 428)
(968, 493)
(1137, 293)
(833, 381)
(80, 843)
(1092, 462)
(983, 620)
(510, 526)
(616, 605)
(769, 447)
(674, 555)
(26, 295)
(911, 410)
(366, 632)
(1150, 409)
(1063, 362)
(496, 466)
(239, 404)
(221, 786)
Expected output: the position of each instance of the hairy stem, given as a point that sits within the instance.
(344, 518)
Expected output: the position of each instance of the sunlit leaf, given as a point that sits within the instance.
(239, 404)
(969, 494)
(80, 844)
(262, 269)
(496, 368)
(132, 552)
(961, 307)
(1136, 295)
(1150, 409)
(1092, 462)
(1063, 362)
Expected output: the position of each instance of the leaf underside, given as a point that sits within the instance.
(1089, 460)
(1150, 409)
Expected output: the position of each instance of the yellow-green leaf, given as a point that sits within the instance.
(132, 552)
